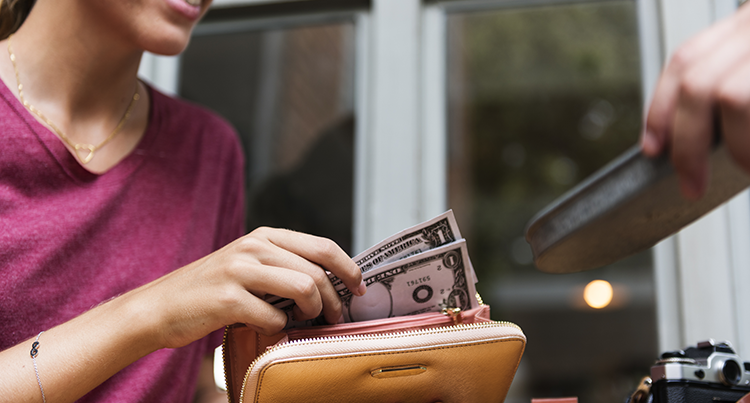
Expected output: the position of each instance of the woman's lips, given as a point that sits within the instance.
(190, 9)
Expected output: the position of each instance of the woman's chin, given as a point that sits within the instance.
(167, 44)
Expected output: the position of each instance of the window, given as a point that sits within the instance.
(289, 92)
(538, 99)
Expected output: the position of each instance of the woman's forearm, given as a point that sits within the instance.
(75, 357)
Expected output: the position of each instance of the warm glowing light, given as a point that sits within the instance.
(598, 294)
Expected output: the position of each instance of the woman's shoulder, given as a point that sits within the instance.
(186, 131)
(173, 116)
(173, 110)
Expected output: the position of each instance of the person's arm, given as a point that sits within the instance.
(223, 288)
(707, 78)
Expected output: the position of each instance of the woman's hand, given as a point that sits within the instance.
(223, 288)
(229, 286)
(708, 78)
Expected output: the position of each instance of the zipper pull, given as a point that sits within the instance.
(454, 313)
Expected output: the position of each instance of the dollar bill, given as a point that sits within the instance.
(428, 235)
(403, 246)
(438, 231)
(422, 237)
(426, 282)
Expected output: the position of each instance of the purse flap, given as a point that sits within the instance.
(462, 371)
(242, 345)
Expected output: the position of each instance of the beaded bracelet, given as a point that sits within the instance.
(34, 352)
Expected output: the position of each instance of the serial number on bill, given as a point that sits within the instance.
(418, 281)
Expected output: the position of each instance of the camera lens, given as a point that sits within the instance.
(731, 372)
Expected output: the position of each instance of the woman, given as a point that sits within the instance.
(119, 208)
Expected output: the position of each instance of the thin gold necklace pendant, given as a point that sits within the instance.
(85, 147)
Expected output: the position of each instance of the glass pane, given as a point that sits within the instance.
(289, 93)
(539, 98)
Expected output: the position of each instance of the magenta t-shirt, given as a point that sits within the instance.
(70, 239)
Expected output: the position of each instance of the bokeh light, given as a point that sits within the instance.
(598, 294)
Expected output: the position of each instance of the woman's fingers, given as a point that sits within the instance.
(323, 252)
(309, 292)
(261, 316)
(294, 266)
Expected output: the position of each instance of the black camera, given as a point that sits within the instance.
(709, 372)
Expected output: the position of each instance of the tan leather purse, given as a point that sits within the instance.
(433, 357)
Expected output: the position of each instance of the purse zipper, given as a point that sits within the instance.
(226, 363)
(332, 339)
(328, 339)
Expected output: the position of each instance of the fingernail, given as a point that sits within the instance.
(362, 289)
(341, 319)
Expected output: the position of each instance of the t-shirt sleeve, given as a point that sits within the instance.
(232, 219)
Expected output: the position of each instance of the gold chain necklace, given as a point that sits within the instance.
(84, 152)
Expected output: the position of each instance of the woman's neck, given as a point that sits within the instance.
(75, 65)
(79, 74)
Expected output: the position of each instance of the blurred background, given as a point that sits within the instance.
(538, 99)
(360, 118)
